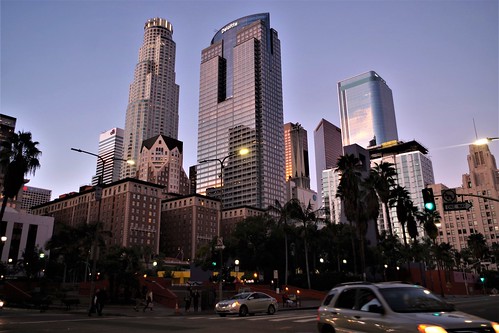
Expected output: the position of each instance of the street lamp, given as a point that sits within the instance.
(98, 198)
(484, 141)
(242, 151)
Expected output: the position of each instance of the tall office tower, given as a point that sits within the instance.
(366, 110)
(240, 106)
(480, 187)
(111, 151)
(33, 196)
(161, 163)
(414, 172)
(7, 127)
(153, 100)
(328, 148)
(296, 155)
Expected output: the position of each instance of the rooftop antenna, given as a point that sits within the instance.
(474, 125)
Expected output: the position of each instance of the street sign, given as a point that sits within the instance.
(449, 195)
(465, 205)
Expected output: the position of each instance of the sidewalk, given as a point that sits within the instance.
(160, 310)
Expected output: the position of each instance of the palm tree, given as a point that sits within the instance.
(478, 246)
(284, 216)
(401, 199)
(385, 173)
(19, 157)
(349, 167)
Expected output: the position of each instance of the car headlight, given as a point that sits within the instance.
(1, 304)
(235, 304)
(430, 329)
(495, 326)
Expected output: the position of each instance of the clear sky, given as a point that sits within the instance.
(66, 67)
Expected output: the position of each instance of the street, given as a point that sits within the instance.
(27, 322)
(123, 320)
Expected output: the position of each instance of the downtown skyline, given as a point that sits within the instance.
(442, 71)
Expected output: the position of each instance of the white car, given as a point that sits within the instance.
(393, 307)
(247, 303)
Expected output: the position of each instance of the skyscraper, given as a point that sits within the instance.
(240, 106)
(296, 155)
(153, 99)
(111, 150)
(328, 148)
(366, 111)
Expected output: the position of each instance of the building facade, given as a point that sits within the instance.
(160, 163)
(367, 112)
(153, 98)
(328, 148)
(480, 187)
(24, 234)
(129, 208)
(33, 196)
(111, 151)
(188, 223)
(414, 172)
(296, 155)
(240, 106)
(232, 216)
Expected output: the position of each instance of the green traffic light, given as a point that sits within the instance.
(482, 279)
(213, 263)
(430, 206)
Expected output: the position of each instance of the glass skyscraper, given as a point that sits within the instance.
(366, 111)
(240, 106)
(153, 99)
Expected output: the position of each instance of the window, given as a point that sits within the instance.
(346, 299)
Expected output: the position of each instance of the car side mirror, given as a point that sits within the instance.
(376, 309)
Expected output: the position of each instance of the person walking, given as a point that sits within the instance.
(149, 303)
(139, 297)
(100, 300)
(195, 299)
(188, 299)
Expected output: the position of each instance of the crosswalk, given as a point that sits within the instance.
(280, 317)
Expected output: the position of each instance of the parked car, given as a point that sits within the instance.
(393, 307)
(247, 303)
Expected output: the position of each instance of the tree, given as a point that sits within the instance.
(401, 200)
(350, 168)
(478, 246)
(385, 174)
(19, 157)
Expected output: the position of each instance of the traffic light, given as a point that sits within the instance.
(214, 263)
(482, 279)
(429, 200)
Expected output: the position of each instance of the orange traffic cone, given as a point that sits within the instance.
(177, 311)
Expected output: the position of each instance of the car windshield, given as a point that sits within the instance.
(414, 299)
(241, 296)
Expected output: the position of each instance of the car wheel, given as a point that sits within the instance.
(271, 310)
(327, 329)
(243, 311)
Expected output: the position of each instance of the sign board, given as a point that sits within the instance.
(465, 205)
(220, 244)
(449, 196)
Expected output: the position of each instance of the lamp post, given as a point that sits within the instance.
(484, 141)
(98, 198)
(220, 246)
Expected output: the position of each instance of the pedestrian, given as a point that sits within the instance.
(100, 300)
(195, 299)
(139, 297)
(187, 299)
(149, 303)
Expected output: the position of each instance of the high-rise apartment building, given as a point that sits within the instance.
(328, 148)
(296, 155)
(240, 106)
(33, 196)
(367, 112)
(111, 151)
(481, 188)
(153, 99)
(414, 172)
(161, 163)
